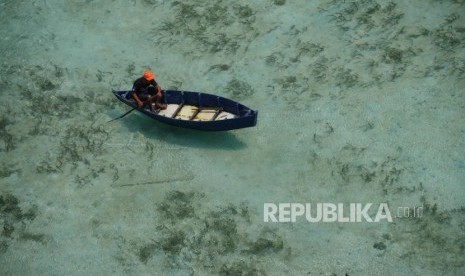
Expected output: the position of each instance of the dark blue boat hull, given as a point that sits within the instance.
(244, 116)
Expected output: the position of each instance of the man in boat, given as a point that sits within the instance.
(146, 90)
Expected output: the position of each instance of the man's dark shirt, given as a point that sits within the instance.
(141, 85)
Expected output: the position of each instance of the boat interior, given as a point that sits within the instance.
(194, 113)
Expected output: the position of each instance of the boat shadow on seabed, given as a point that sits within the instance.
(226, 140)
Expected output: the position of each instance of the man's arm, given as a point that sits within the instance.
(136, 98)
(157, 87)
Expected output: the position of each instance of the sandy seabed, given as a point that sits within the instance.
(359, 102)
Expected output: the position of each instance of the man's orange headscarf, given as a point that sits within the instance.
(148, 75)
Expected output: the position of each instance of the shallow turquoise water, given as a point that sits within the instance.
(359, 102)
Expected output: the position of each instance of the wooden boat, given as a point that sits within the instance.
(197, 110)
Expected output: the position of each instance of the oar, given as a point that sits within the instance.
(123, 115)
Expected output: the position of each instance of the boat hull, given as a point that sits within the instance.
(196, 110)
